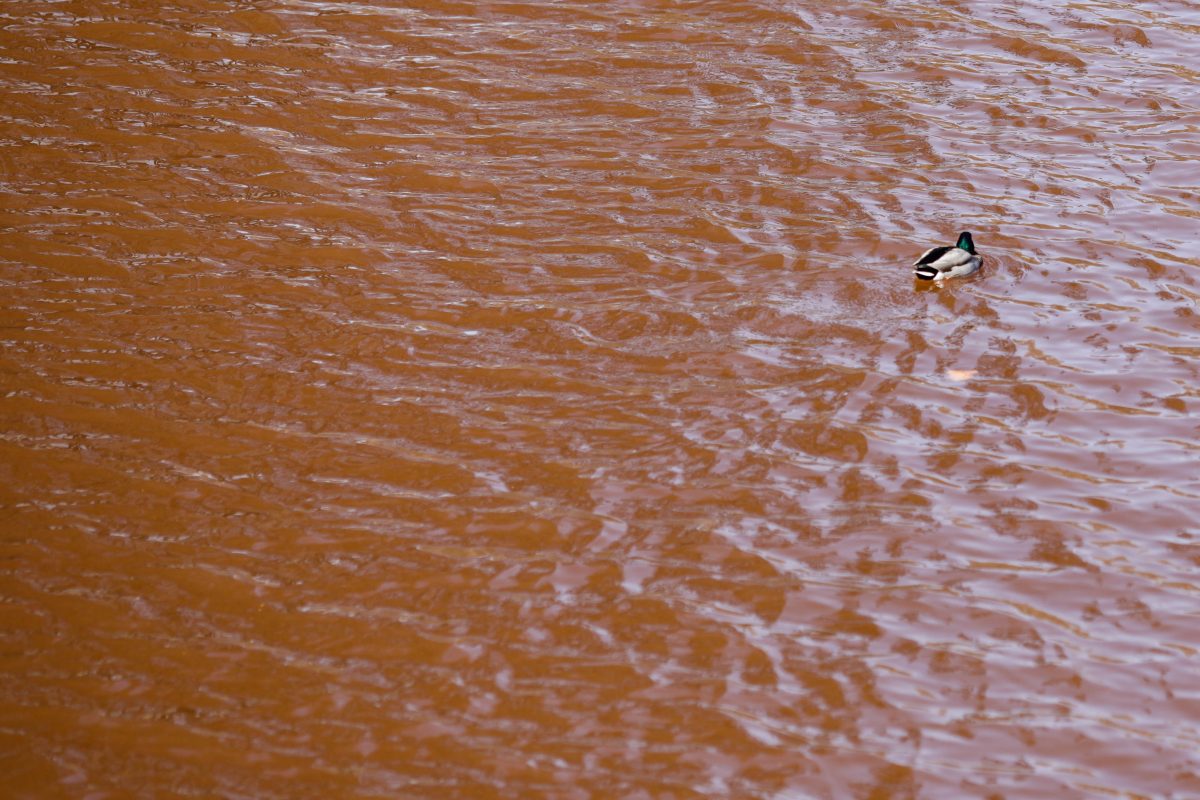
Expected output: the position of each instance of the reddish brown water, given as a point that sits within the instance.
(533, 400)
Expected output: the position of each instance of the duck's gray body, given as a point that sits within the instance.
(939, 263)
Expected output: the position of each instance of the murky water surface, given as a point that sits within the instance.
(449, 399)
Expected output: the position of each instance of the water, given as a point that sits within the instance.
(534, 400)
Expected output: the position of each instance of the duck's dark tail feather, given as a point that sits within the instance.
(925, 273)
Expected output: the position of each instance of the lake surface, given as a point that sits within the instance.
(533, 400)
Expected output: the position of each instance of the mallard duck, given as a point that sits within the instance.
(949, 262)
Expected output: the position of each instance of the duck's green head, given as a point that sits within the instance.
(965, 243)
